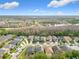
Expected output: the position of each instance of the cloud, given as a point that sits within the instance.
(36, 10)
(59, 13)
(60, 3)
(40, 12)
(10, 5)
(78, 12)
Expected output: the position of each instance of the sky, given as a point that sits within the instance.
(39, 7)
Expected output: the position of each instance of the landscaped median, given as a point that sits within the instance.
(22, 54)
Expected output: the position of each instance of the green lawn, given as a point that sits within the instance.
(6, 56)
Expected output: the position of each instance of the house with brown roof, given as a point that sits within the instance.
(67, 39)
(48, 50)
(1, 57)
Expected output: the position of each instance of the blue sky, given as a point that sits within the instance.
(39, 7)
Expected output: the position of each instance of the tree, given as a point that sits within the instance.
(75, 54)
(6, 56)
(58, 56)
(40, 55)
